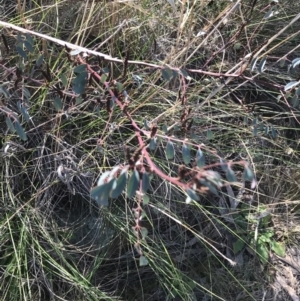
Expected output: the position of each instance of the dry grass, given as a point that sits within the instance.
(56, 244)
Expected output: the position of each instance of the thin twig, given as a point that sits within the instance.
(108, 57)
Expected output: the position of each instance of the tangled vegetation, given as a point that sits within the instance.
(149, 150)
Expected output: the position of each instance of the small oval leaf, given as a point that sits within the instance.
(200, 159)
(80, 79)
(274, 132)
(29, 39)
(103, 178)
(133, 184)
(21, 52)
(184, 73)
(28, 46)
(188, 200)
(238, 246)
(146, 199)
(101, 193)
(103, 78)
(253, 65)
(167, 73)
(210, 186)
(143, 261)
(295, 62)
(10, 125)
(20, 131)
(79, 88)
(153, 143)
(57, 103)
(186, 154)
(25, 114)
(75, 52)
(291, 85)
(80, 68)
(230, 175)
(120, 185)
(209, 134)
(192, 194)
(269, 14)
(119, 87)
(63, 79)
(145, 182)
(78, 100)
(248, 174)
(144, 232)
(262, 65)
(40, 60)
(170, 152)
(146, 125)
(223, 165)
(165, 128)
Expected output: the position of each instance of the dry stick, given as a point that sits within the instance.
(105, 56)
